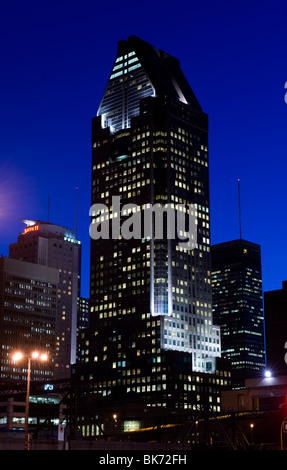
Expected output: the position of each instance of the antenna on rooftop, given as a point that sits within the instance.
(239, 207)
(76, 216)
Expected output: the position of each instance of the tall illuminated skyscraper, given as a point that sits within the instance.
(151, 315)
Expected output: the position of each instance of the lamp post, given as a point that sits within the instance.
(251, 428)
(17, 357)
(115, 421)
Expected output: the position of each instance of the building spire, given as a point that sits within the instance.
(76, 215)
(238, 181)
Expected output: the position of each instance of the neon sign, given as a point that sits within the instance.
(31, 229)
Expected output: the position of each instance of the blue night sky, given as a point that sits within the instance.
(56, 58)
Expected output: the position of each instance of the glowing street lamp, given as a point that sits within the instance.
(115, 416)
(17, 357)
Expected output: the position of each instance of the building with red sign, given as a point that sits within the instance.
(47, 244)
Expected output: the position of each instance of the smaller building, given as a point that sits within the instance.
(238, 307)
(275, 312)
(28, 301)
(259, 394)
(47, 244)
(45, 413)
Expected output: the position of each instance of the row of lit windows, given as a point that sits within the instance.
(187, 155)
(13, 281)
(121, 180)
(141, 136)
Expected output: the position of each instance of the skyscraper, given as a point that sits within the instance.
(238, 306)
(55, 246)
(151, 314)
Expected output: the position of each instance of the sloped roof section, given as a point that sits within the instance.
(165, 72)
(141, 70)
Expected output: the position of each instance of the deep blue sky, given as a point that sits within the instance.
(56, 58)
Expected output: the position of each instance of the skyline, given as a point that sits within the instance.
(55, 70)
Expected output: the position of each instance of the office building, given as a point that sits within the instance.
(275, 315)
(51, 245)
(151, 327)
(238, 307)
(28, 298)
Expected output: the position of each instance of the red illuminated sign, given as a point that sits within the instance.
(31, 229)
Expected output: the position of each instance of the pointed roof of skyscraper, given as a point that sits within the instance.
(141, 70)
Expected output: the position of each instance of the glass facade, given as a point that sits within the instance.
(158, 168)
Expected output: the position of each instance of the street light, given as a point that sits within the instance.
(115, 420)
(17, 357)
(251, 428)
